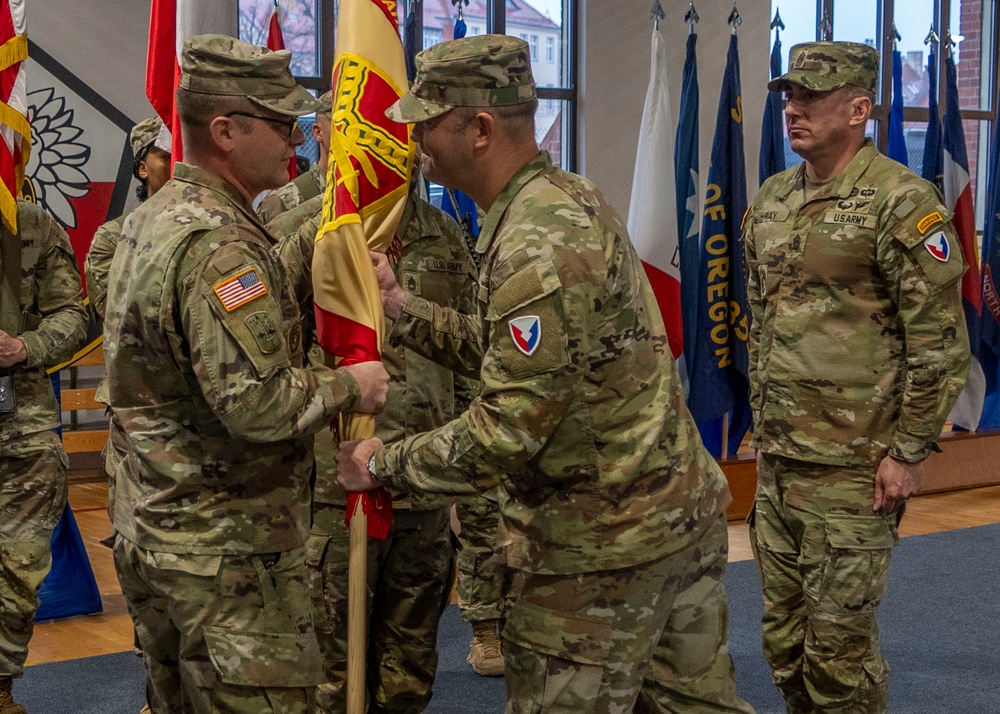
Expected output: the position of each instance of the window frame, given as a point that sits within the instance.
(496, 23)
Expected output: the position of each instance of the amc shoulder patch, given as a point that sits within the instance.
(527, 333)
(240, 289)
(938, 246)
(931, 219)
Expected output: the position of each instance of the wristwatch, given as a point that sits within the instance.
(371, 467)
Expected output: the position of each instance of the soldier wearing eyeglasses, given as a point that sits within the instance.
(207, 383)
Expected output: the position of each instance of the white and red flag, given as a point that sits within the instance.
(171, 22)
(958, 197)
(16, 145)
(652, 212)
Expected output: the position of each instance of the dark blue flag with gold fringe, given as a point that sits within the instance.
(719, 380)
(989, 352)
(686, 172)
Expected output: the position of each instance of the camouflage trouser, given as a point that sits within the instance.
(222, 633)
(824, 563)
(653, 638)
(480, 577)
(32, 498)
(410, 575)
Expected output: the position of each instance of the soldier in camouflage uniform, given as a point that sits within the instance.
(858, 350)
(204, 356)
(42, 322)
(150, 142)
(313, 182)
(410, 574)
(612, 512)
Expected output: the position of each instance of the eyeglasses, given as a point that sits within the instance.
(290, 125)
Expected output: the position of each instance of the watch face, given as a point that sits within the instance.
(371, 465)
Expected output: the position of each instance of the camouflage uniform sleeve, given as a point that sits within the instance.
(241, 356)
(58, 299)
(97, 266)
(927, 293)
(295, 251)
(448, 337)
(522, 400)
(756, 309)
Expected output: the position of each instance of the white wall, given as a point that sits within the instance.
(103, 42)
(615, 75)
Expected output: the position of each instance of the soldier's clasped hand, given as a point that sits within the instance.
(12, 350)
(373, 381)
(393, 296)
(352, 465)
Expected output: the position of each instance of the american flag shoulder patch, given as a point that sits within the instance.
(240, 289)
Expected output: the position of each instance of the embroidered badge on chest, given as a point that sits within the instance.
(527, 333)
(240, 289)
(939, 247)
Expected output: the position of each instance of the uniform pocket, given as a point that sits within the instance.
(261, 659)
(558, 656)
(858, 550)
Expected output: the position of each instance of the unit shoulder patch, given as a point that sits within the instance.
(938, 246)
(527, 333)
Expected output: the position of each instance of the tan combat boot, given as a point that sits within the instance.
(484, 650)
(7, 703)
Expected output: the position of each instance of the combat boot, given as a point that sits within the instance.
(484, 650)
(7, 703)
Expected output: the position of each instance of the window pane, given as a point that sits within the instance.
(800, 25)
(972, 27)
(856, 21)
(299, 28)
(539, 23)
(913, 20)
(551, 128)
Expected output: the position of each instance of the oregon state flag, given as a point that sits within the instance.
(369, 174)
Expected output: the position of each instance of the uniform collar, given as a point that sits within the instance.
(199, 176)
(850, 176)
(541, 164)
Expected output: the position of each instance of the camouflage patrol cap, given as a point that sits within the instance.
(222, 65)
(825, 66)
(479, 71)
(326, 103)
(144, 134)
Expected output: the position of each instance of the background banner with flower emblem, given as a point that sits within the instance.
(80, 168)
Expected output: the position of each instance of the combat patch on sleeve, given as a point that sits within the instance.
(928, 221)
(939, 258)
(240, 289)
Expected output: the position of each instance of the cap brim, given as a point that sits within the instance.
(809, 80)
(294, 104)
(410, 110)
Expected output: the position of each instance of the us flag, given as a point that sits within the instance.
(240, 289)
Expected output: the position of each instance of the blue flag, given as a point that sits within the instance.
(411, 43)
(989, 350)
(897, 140)
(772, 137)
(686, 174)
(933, 168)
(719, 382)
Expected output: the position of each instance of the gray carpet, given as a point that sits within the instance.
(939, 627)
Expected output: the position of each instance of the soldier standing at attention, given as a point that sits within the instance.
(42, 322)
(612, 512)
(204, 357)
(310, 184)
(858, 351)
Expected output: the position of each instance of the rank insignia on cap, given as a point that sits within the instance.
(527, 333)
(240, 289)
(938, 246)
(931, 219)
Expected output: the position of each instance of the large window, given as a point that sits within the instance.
(971, 25)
